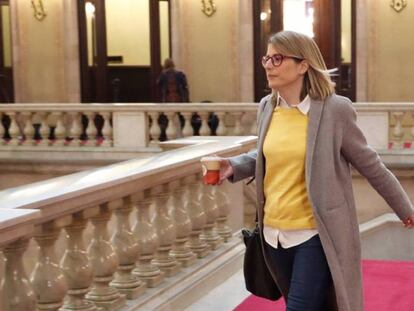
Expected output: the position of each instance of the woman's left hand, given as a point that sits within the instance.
(409, 222)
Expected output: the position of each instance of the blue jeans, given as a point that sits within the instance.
(302, 274)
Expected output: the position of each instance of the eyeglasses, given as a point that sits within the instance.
(277, 59)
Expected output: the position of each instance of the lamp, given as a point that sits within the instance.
(38, 9)
(208, 7)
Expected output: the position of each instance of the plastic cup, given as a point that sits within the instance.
(211, 170)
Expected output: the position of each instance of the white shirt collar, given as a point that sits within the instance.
(303, 106)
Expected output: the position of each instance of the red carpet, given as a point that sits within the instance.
(388, 286)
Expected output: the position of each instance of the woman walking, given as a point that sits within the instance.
(307, 140)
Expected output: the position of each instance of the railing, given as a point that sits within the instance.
(177, 222)
(119, 125)
(387, 125)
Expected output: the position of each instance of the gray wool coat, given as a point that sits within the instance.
(334, 142)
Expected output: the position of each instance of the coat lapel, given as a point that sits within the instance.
(315, 113)
(264, 126)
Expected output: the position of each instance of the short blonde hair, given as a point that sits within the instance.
(317, 82)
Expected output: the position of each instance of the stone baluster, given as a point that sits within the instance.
(13, 129)
(412, 132)
(146, 234)
(91, 130)
(223, 204)
(28, 130)
(198, 218)
(106, 129)
(181, 252)
(398, 130)
(204, 129)
(44, 129)
(60, 130)
(76, 128)
(188, 129)
(209, 204)
(237, 131)
(47, 277)
(171, 130)
(245, 123)
(75, 264)
(166, 232)
(16, 290)
(105, 262)
(221, 129)
(126, 247)
(155, 128)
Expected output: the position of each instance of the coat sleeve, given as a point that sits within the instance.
(368, 163)
(244, 165)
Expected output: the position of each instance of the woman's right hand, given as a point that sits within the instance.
(226, 170)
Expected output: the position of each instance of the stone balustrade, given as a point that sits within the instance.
(97, 126)
(116, 237)
(387, 126)
(119, 125)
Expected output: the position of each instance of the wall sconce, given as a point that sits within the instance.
(208, 7)
(38, 10)
(398, 5)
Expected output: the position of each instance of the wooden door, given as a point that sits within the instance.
(108, 74)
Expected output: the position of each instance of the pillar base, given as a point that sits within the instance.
(185, 258)
(151, 278)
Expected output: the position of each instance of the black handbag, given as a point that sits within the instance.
(257, 276)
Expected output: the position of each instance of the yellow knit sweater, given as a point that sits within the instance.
(287, 205)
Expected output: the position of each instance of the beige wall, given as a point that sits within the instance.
(390, 58)
(45, 53)
(208, 49)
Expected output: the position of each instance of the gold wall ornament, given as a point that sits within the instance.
(208, 7)
(398, 5)
(38, 9)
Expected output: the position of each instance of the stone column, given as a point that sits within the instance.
(32, 58)
(147, 238)
(223, 206)
(47, 277)
(181, 251)
(166, 232)
(16, 290)
(105, 262)
(126, 247)
(211, 210)
(198, 218)
(75, 265)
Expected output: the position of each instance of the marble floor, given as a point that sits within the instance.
(224, 297)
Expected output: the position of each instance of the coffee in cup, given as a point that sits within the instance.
(211, 170)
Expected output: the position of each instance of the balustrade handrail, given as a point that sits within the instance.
(144, 107)
(383, 107)
(125, 107)
(68, 194)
